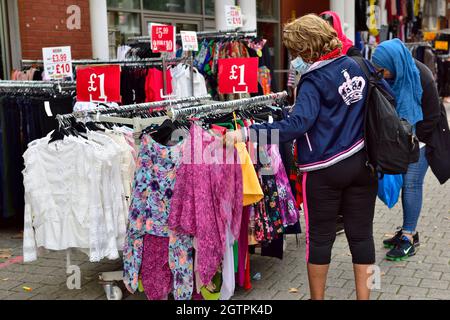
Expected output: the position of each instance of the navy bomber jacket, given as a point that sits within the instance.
(328, 117)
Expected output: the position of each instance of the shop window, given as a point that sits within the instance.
(181, 6)
(124, 4)
(122, 25)
(210, 9)
(267, 9)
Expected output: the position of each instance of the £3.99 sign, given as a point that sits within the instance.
(58, 62)
(98, 84)
(163, 38)
(238, 75)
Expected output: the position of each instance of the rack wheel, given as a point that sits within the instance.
(113, 292)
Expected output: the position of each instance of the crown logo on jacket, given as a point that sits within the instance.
(352, 89)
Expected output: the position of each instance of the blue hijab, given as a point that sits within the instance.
(393, 55)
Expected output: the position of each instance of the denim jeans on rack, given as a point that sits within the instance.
(412, 192)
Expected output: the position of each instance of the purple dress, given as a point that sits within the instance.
(289, 213)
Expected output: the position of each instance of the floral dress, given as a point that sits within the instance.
(268, 217)
(149, 213)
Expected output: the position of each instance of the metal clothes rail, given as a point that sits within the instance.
(133, 107)
(206, 34)
(44, 85)
(146, 61)
(240, 104)
(164, 62)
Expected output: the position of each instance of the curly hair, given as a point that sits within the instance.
(310, 37)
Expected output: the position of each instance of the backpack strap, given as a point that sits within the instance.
(370, 76)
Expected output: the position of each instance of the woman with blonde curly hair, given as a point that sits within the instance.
(327, 124)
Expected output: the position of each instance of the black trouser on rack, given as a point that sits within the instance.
(346, 188)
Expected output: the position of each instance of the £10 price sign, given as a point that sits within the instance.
(58, 62)
(238, 75)
(189, 40)
(163, 38)
(98, 84)
(233, 17)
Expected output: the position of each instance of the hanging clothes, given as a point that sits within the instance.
(183, 85)
(203, 209)
(150, 204)
(74, 196)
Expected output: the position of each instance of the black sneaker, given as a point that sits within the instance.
(402, 251)
(392, 242)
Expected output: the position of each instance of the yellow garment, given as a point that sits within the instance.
(416, 8)
(252, 189)
(372, 21)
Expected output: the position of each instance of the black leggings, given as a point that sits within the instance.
(345, 188)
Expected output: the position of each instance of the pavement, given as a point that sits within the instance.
(425, 276)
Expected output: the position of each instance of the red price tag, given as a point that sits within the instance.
(238, 75)
(98, 84)
(163, 38)
(63, 68)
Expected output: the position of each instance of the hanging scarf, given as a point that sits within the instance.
(395, 57)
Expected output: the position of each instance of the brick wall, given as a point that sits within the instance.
(43, 23)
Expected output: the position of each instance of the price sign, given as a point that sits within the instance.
(233, 16)
(238, 75)
(441, 45)
(58, 62)
(98, 84)
(189, 40)
(163, 38)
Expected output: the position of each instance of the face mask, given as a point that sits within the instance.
(300, 66)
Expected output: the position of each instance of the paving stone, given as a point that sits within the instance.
(389, 296)
(406, 281)
(20, 296)
(413, 291)
(441, 268)
(20, 288)
(388, 288)
(283, 295)
(340, 293)
(423, 274)
(260, 294)
(9, 284)
(439, 294)
(434, 284)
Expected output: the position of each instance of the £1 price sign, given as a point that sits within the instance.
(98, 84)
(238, 75)
(58, 62)
(163, 38)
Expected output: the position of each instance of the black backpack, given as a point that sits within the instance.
(391, 145)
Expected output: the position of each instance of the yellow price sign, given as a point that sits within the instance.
(429, 36)
(441, 45)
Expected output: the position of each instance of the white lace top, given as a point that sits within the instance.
(75, 197)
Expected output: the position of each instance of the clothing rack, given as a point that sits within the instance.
(110, 278)
(133, 107)
(240, 104)
(147, 61)
(205, 34)
(418, 44)
(163, 61)
(52, 85)
(111, 114)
